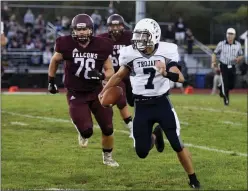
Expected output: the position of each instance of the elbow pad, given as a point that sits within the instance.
(172, 76)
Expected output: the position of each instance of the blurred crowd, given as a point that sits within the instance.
(31, 34)
(180, 34)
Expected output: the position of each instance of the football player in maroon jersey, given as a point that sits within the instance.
(120, 38)
(85, 56)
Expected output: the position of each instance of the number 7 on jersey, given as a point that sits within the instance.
(152, 73)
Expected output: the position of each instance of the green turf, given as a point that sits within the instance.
(45, 154)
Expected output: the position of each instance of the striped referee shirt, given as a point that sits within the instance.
(228, 52)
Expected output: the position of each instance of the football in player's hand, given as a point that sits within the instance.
(111, 96)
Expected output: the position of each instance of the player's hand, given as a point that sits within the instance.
(52, 87)
(96, 75)
(213, 65)
(161, 67)
(237, 60)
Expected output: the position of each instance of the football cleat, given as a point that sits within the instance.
(82, 141)
(108, 160)
(159, 141)
(195, 184)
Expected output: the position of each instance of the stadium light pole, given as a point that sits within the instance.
(140, 10)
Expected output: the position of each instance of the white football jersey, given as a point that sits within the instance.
(145, 78)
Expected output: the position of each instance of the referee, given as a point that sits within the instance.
(230, 54)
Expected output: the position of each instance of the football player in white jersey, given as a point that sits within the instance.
(151, 65)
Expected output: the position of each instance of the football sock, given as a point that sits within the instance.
(128, 120)
(192, 177)
(107, 150)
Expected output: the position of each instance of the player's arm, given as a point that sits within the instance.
(54, 63)
(56, 58)
(171, 71)
(178, 76)
(116, 78)
(108, 69)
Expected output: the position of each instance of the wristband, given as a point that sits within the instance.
(172, 76)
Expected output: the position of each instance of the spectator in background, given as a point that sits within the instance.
(36, 58)
(97, 18)
(38, 43)
(47, 55)
(169, 34)
(65, 23)
(6, 12)
(13, 43)
(216, 80)
(29, 43)
(111, 10)
(101, 29)
(58, 23)
(12, 26)
(29, 19)
(180, 31)
(190, 40)
(39, 26)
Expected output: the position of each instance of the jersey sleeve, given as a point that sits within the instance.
(125, 58)
(173, 58)
(218, 48)
(2, 27)
(58, 45)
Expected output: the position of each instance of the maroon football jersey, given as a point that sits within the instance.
(79, 61)
(124, 40)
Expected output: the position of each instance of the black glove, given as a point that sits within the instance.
(95, 75)
(52, 87)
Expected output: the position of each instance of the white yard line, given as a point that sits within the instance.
(18, 123)
(213, 110)
(231, 123)
(50, 119)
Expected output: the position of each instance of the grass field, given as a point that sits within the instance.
(40, 149)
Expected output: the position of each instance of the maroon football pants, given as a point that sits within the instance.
(80, 107)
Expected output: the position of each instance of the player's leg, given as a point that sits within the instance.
(224, 83)
(169, 122)
(232, 79)
(104, 118)
(123, 108)
(81, 118)
(142, 130)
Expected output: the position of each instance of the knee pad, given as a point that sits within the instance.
(107, 131)
(87, 133)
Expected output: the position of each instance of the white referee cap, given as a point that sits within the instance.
(231, 30)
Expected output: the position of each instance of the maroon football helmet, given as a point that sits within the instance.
(79, 23)
(115, 25)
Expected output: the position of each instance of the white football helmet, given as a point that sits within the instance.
(146, 33)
